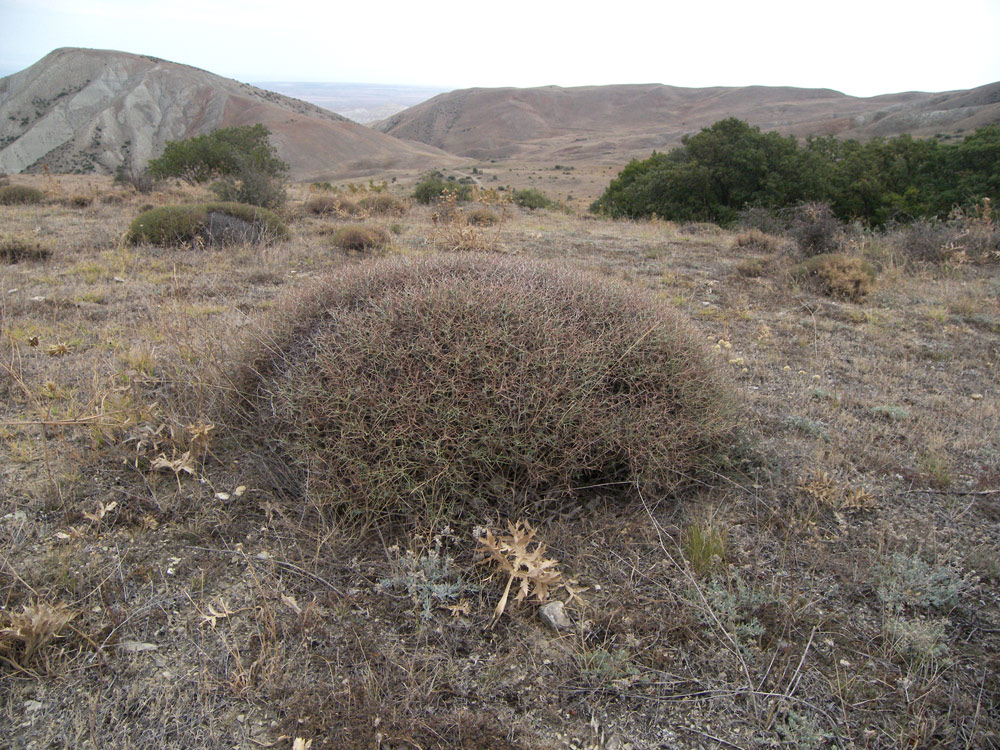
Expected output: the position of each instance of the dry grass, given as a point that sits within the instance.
(835, 586)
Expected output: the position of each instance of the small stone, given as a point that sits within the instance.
(976, 396)
(554, 613)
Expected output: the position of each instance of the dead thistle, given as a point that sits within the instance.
(36, 625)
(514, 555)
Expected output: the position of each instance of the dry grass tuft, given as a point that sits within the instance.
(383, 204)
(838, 275)
(14, 249)
(358, 238)
(415, 387)
(333, 205)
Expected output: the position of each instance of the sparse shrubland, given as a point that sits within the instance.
(182, 568)
(207, 223)
(451, 385)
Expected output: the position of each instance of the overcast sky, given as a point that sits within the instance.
(858, 47)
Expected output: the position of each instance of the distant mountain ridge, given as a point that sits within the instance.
(82, 110)
(613, 123)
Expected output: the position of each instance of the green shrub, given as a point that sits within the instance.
(241, 158)
(531, 198)
(430, 385)
(431, 187)
(358, 237)
(252, 186)
(11, 195)
(838, 275)
(210, 223)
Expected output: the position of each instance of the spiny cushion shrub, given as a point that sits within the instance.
(325, 205)
(838, 275)
(11, 195)
(423, 385)
(211, 223)
(383, 204)
(358, 237)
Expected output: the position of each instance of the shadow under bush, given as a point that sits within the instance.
(405, 387)
(211, 223)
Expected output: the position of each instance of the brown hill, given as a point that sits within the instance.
(610, 123)
(79, 110)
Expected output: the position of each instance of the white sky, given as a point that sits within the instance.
(860, 47)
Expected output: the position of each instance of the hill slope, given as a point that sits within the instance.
(608, 123)
(79, 110)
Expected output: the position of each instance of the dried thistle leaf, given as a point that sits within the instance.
(35, 625)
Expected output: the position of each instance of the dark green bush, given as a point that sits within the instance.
(210, 223)
(448, 384)
(431, 187)
(531, 198)
(12, 195)
(724, 170)
(358, 237)
(241, 158)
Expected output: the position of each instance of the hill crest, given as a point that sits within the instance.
(83, 110)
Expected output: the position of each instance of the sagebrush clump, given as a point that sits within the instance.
(414, 386)
(207, 223)
(14, 195)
